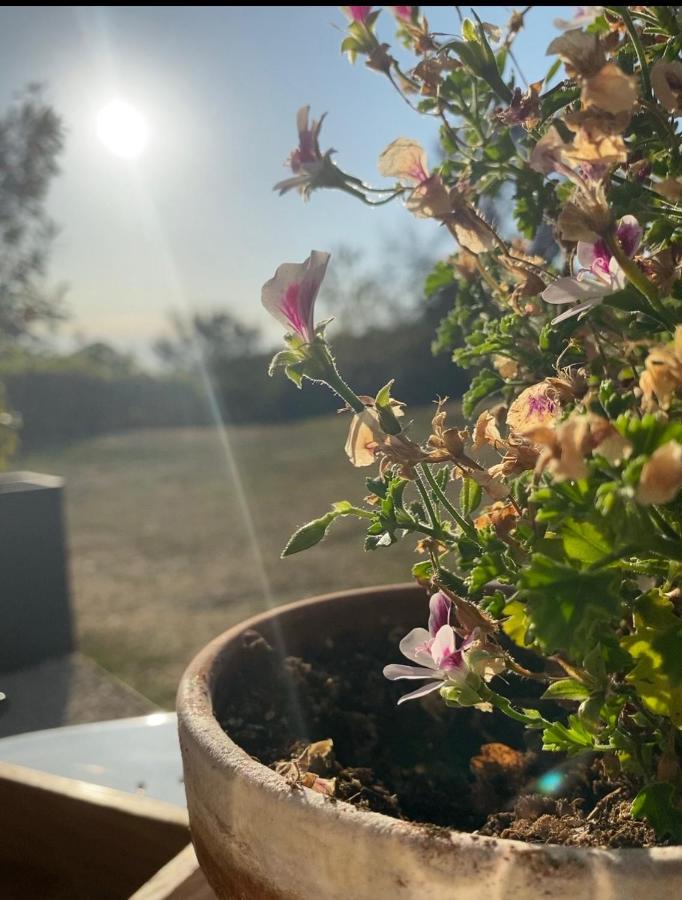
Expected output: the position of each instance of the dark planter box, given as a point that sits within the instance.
(36, 621)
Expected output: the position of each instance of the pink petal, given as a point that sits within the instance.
(439, 611)
(629, 234)
(290, 294)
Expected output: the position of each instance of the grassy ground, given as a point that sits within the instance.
(163, 555)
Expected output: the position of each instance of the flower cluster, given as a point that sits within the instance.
(553, 520)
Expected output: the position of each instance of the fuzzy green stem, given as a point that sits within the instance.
(504, 705)
(333, 380)
(466, 527)
(431, 512)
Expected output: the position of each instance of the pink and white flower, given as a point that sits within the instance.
(599, 273)
(404, 13)
(290, 294)
(357, 13)
(306, 161)
(441, 658)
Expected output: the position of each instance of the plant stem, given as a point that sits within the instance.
(624, 13)
(504, 705)
(431, 512)
(466, 527)
(339, 386)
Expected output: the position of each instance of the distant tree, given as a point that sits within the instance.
(104, 359)
(211, 338)
(31, 139)
(362, 295)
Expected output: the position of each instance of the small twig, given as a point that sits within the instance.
(599, 806)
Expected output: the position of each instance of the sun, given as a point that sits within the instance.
(122, 129)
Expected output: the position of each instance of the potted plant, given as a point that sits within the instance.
(550, 527)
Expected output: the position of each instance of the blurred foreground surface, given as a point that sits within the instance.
(162, 556)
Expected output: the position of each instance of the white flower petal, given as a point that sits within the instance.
(412, 644)
(577, 310)
(421, 691)
(568, 290)
(585, 254)
(443, 645)
(394, 672)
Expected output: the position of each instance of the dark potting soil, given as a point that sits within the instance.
(330, 722)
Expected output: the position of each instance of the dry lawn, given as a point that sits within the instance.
(175, 535)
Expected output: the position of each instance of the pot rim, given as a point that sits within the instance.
(195, 716)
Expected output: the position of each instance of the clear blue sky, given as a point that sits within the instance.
(194, 221)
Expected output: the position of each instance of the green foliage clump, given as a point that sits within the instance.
(554, 521)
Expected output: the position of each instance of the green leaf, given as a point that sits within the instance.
(517, 624)
(656, 646)
(553, 69)
(442, 276)
(282, 359)
(485, 383)
(584, 541)
(469, 495)
(571, 738)
(567, 607)
(566, 689)
(383, 398)
(656, 804)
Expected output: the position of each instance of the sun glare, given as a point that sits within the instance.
(122, 129)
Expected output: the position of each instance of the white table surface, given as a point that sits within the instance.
(139, 755)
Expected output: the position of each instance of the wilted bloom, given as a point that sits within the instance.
(599, 273)
(661, 477)
(598, 138)
(666, 80)
(548, 154)
(662, 375)
(364, 437)
(584, 15)
(566, 447)
(536, 406)
(441, 658)
(357, 13)
(501, 516)
(291, 293)
(405, 160)
(669, 188)
(524, 109)
(611, 90)
(508, 368)
(580, 51)
(311, 168)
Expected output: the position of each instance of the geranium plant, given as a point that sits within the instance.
(568, 312)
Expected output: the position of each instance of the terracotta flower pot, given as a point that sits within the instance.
(257, 839)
